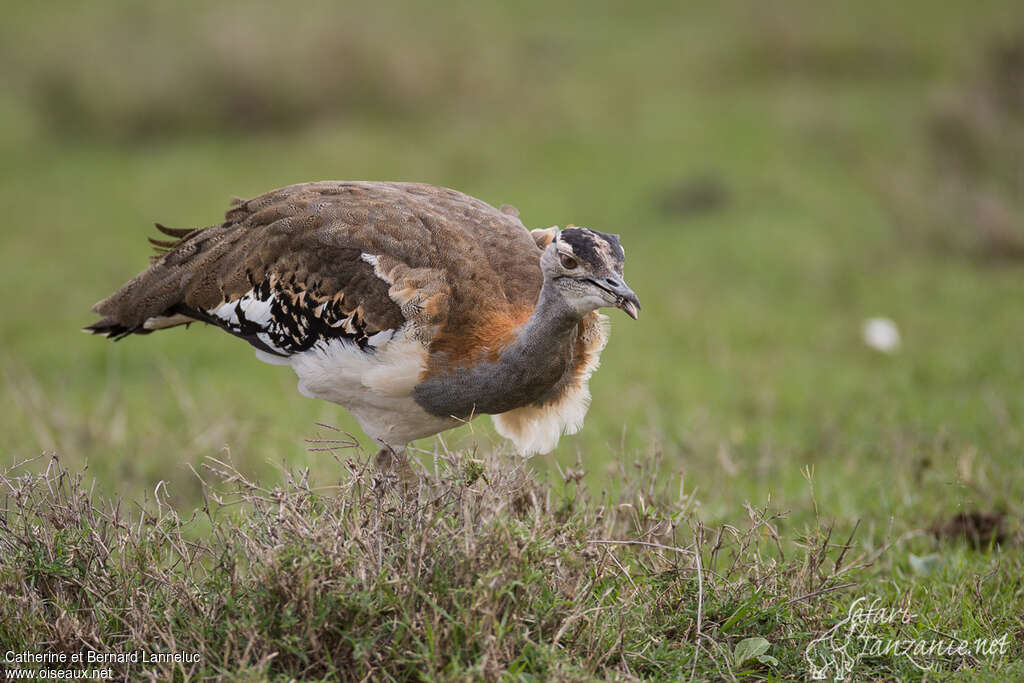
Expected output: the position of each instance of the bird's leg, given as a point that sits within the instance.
(394, 462)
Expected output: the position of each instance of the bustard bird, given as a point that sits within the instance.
(415, 307)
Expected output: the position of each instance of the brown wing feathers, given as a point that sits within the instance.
(467, 273)
(319, 289)
(161, 247)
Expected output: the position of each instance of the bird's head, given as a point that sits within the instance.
(586, 267)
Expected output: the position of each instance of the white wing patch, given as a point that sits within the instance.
(276, 320)
(380, 338)
(256, 311)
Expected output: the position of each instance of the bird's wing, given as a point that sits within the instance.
(339, 259)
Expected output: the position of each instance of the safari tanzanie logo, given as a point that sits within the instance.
(873, 629)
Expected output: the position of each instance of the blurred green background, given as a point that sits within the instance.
(779, 172)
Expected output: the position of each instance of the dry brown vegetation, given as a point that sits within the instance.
(481, 572)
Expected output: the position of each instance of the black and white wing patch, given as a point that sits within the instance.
(285, 317)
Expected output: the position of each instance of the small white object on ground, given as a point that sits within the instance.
(881, 334)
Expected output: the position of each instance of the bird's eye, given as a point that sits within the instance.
(568, 262)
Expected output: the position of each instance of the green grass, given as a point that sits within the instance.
(481, 574)
(852, 149)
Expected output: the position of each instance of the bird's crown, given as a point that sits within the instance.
(599, 250)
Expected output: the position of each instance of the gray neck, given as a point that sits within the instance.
(550, 329)
(527, 371)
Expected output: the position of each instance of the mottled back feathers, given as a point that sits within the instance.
(373, 255)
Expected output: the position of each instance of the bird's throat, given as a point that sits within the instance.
(525, 372)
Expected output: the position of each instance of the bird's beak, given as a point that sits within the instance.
(627, 300)
(630, 304)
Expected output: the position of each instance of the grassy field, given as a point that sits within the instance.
(778, 172)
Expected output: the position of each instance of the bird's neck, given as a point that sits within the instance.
(550, 329)
(536, 361)
(527, 371)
